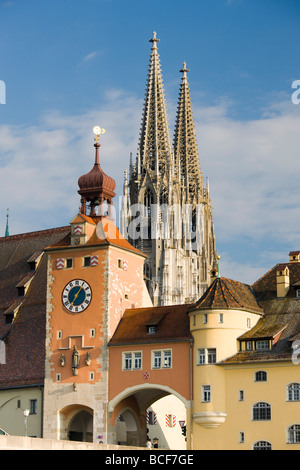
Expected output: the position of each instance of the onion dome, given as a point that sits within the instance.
(96, 187)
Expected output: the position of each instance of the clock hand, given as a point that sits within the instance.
(76, 295)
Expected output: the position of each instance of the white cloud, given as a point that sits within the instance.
(253, 167)
(89, 57)
(40, 166)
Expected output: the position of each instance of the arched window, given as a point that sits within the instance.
(293, 434)
(293, 392)
(148, 200)
(260, 376)
(261, 411)
(262, 445)
(163, 198)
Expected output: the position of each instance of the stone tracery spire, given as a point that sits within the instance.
(154, 151)
(185, 144)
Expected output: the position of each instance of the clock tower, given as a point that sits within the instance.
(93, 275)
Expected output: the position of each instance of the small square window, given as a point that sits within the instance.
(87, 261)
(262, 344)
(21, 291)
(151, 330)
(157, 360)
(201, 356)
(69, 263)
(9, 318)
(211, 356)
(127, 361)
(92, 333)
(206, 393)
(138, 360)
(167, 359)
(33, 407)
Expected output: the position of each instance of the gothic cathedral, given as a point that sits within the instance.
(166, 208)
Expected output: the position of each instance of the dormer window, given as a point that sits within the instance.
(151, 330)
(9, 318)
(21, 291)
(262, 344)
(153, 324)
(34, 260)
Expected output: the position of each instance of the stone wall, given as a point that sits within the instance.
(29, 443)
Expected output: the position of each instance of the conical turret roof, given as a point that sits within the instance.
(96, 181)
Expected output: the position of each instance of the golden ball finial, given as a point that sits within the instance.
(97, 131)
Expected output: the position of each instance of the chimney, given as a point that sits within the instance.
(294, 256)
(282, 281)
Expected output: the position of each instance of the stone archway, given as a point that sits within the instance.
(128, 429)
(128, 415)
(81, 427)
(76, 423)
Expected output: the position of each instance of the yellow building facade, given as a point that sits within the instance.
(246, 386)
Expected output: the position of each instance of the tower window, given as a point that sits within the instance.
(260, 376)
(87, 261)
(261, 412)
(206, 393)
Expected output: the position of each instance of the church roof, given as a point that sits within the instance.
(171, 324)
(225, 293)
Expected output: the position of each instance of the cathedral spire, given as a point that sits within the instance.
(155, 153)
(7, 228)
(185, 144)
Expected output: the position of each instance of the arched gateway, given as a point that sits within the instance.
(146, 364)
(129, 419)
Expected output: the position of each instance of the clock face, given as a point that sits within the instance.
(76, 296)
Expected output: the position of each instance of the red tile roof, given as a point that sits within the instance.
(172, 324)
(25, 337)
(225, 293)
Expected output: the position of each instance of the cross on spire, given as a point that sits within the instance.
(154, 40)
(184, 71)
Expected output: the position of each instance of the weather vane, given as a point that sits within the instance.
(97, 131)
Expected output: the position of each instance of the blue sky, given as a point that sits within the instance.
(68, 65)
